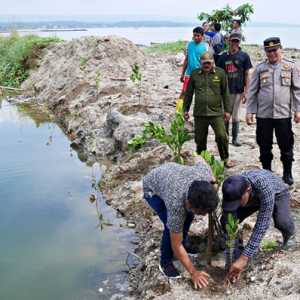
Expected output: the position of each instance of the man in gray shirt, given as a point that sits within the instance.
(273, 95)
(176, 192)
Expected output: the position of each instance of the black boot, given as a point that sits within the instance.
(235, 133)
(267, 166)
(287, 173)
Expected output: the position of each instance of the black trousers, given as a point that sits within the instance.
(281, 213)
(284, 136)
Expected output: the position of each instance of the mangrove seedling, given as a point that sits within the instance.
(136, 77)
(269, 245)
(217, 169)
(231, 227)
(175, 137)
(216, 166)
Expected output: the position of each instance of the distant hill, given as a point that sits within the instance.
(8, 23)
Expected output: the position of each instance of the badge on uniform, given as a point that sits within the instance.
(216, 78)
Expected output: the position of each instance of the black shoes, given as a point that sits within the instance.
(169, 270)
(287, 174)
(235, 132)
(289, 241)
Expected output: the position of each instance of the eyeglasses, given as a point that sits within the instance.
(235, 41)
(207, 63)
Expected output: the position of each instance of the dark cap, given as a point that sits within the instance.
(272, 43)
(235, 36)
(233, 189)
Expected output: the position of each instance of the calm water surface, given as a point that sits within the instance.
(146, 35)
(51, 247)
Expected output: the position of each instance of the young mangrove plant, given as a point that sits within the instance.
(269, 245)
(136, 77)
(174, 137)
(216, 166)
(231, 227)
(214, 225)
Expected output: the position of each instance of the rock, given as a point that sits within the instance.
(179, 59)
(131, 225)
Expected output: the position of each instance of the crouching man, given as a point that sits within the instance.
(176, 192)
(262, 191)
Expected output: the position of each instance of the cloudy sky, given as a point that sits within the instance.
(265, 10)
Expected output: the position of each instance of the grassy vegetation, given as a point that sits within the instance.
(18, 55)
(172, 47)
(268, 246)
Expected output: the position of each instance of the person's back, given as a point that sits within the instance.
(171, 181)
(218, 39)
(176, 193)
(260, 178)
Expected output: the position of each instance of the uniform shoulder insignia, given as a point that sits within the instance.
(288, 63)
(288, 60)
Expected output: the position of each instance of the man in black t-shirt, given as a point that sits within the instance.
(236, 64)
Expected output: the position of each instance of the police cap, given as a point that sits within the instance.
(272, 43)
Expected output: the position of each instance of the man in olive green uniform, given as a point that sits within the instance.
(274, 97)
(212, 105)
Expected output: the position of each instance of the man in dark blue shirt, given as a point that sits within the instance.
(236, 64)
(262, 191)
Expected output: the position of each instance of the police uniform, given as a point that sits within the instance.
(274, 92)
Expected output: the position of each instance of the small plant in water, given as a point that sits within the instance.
(136, 77)
(231, 227)
(96, 197)
(175, 137)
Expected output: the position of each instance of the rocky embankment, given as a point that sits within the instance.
(86, 84)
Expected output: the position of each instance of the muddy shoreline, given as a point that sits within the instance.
(100, 119)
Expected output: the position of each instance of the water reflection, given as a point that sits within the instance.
(51, 247)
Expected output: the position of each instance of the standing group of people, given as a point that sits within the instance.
(218, 84)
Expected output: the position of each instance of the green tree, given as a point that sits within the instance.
(224, 16)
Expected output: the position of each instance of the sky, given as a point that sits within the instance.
(265, 10)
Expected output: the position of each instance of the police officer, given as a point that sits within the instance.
(273, 94)
(212, 105)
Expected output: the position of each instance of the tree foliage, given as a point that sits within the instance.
(227, 14)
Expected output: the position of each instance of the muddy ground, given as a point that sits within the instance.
(86, 84)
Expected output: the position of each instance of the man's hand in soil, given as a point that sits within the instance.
(186, 116)
(237, 268)
(200, 279)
